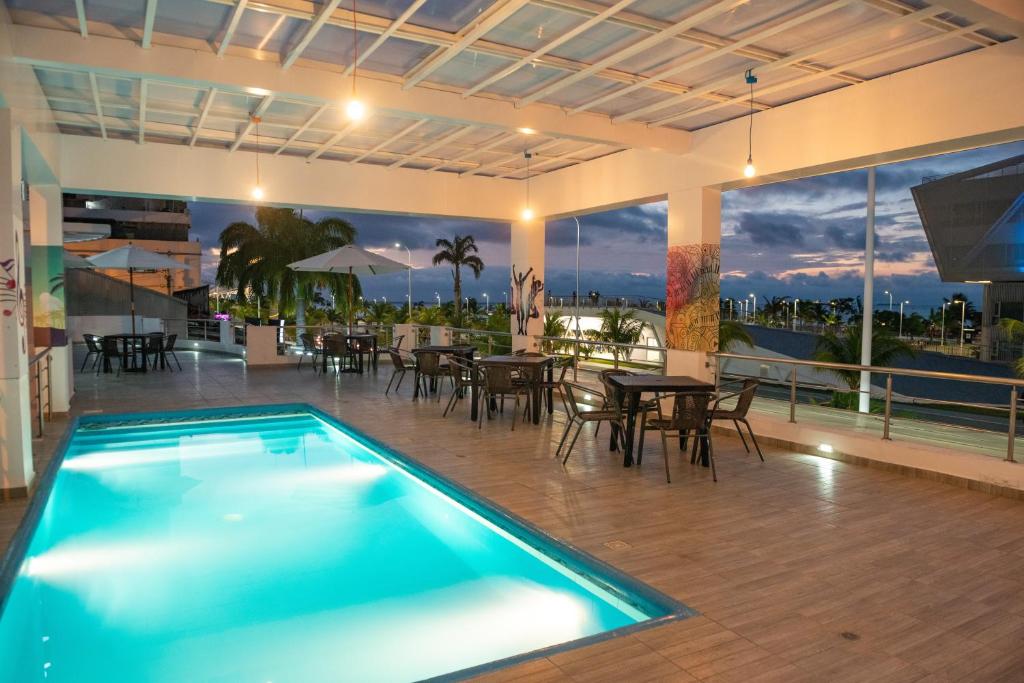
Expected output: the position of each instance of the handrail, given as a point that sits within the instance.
(470, 330)
(42, 408)
(572, 340)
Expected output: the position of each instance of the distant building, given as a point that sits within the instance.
(974, 222)
(158, 225)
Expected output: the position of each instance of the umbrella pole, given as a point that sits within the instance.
(131, 296)
(350, 299)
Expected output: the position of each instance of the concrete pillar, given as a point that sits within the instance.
(48, 296)
(16, 472)
(526, 293)
(867, 326)
(692, 281)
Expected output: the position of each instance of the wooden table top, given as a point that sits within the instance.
(511, 359)
(455, 348)
(671, 383)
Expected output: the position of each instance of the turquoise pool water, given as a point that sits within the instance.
(282, 548)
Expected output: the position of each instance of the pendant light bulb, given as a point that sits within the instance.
(355, 110)
(257, 193)
(749, 170)
(527, 214)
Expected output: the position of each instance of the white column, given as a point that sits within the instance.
(16, 471)
(48, 295)
(526, 293)
(693, 288)
(869, 296)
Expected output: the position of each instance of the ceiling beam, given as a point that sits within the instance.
(303, 128)
(210, 95)
(382, 38)
(512, 157)
(496, 141)
(436, 144)
(335, 139)
(389, 141)
(116, 57)
(229, 30)
(83, 25)
(147, 27)
(96, 103)
(314, 27)
(498, 13)
(705, 57)
(271, 32)
(143, 88)
(247, 128)
(717, 9)
(558, 158)
(543, 50)
(818, 48)
(874, 57)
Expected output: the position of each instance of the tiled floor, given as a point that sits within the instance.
(803, 568)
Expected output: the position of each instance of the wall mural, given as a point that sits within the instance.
(692, 313)
(524, 301)
(48, 315)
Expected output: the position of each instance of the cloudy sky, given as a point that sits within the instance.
(803, 238)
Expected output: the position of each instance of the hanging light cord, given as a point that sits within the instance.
(355, 47)
(751, 79)
(256, 119)
(527, 155)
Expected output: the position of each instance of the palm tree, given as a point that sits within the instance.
(620, 326)
(256, 257)
(731, 332)
(379, 312)
(553, 327)
(1014, 329)
(459, 252)
(845, 348)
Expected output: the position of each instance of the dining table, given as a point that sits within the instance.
(632, 386)
(132, 346)
(532, 368)
(365, 342)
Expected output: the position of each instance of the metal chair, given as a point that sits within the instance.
(464, 376)
(92, 348)
(611, 412)
(429, 367)
(402, 364)
(499, 381)
(109, 351)
(561, 366)
(168, 349)
(738, 413)
(690, 416)
(308, 347)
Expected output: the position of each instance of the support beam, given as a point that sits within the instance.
(270, 33)
(335, 139)
(143, 88)
(314, 28)
(818, 48)
(705, 57)
(210, 95)
(550, 161)
(498, 13)
(303, 128)
(391, 140)
(509, 159)
(382, 38)
(83, 25)
(147, 27)
(96, 103)
(436, 144)
(496, 141)
(247, 128)
(695, 19)
(229, 31)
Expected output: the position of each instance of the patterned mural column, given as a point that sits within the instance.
(526, 284)
(48, 315)
(15, 416)
(692, 289)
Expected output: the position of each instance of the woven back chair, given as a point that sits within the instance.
(464, 376)
(738, 413)
(610, 412)
(499, 381)
(689, 416)
(92, 350)
(309, 347)
(109, 352)
(401, 365)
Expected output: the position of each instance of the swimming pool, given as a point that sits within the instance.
(276, 544)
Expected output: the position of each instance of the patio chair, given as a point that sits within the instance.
(308, 347)
(611, 412)
(153, 345)
(561, 367)
(611, 390)
(430, 370)
(335, 349)
(168, 349)
(92, 348)
(738, 413)
(690, 416)
(402, 364)
(397, 341)
(109, 352)
(498, 382)
(464, 376)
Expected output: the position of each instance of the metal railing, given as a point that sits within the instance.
(40, 390)
(202, 329)
(487, 342)
(1013, 385)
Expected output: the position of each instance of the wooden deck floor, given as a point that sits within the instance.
(802, 568)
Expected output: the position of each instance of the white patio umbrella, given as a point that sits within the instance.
(76, 261)
(352, 260)
(132, 258)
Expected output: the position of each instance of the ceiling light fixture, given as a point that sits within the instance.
(257, 190)
(355, 109)
(527, 214)
(749, 170)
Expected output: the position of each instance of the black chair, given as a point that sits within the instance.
(153, 345)
(690, 416)
(109, 351)
(499, 381)
(738, 413)
(610, 412)
(429, 370)
(561, 367)
(92, 348)
(308, 347)
(335, 350)
(168, 350)
(464, 377)
(402, 364)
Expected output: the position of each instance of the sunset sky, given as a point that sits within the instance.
(803, 238)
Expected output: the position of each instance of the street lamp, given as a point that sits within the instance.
(409, 253)
(942, 334)
(796, 311)
(753, 306)
(487, 300)
(901, 318)
(438, 299)
(889, 294)
(506, 300)
(963, 318)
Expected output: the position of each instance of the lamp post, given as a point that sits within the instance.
(901, 317)
(438, 296)
(796, 312)
(506, 299)
(942, 334)
(487, 301)
(889, 294)
(730, 308)
(409, 253)
(963, 318)
(753, 306)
